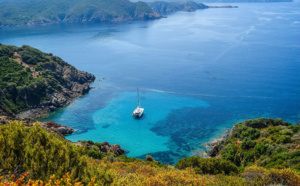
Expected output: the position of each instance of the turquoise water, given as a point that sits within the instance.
(198, 74)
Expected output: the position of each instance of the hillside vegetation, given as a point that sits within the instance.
(33, 80)
(23, 12)
(30, 155)
(270, 143)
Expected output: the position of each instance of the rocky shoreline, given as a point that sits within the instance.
(77, 84)
(217, 145)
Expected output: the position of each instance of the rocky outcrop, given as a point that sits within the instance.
(64, 130)
(217, 146)
(75, 84)
(46, 83)
(116, 149)
(104, 147)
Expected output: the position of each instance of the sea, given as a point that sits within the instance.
(198, 74)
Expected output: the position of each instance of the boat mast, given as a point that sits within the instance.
(138, 95)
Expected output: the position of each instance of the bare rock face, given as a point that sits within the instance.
(64, 130)
(76, 83)
(116, 149)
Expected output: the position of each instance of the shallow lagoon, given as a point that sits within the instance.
(198, 73)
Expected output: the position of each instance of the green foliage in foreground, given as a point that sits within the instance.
(42, 154)
(208, 165)
(33, 149)
(45, 158)
(270, 143)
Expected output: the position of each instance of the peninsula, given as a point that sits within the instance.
(33, 82)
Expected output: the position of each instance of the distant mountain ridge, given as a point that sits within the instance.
(35, 12)
(39, 12)
(163, 7)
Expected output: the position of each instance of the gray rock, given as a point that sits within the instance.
(64, 130)
(76, 83)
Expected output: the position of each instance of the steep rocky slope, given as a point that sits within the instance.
(33, 82)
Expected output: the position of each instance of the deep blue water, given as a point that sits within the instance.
(198, 73)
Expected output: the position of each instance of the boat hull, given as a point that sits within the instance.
(138, 112)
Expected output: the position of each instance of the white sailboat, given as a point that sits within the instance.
(138, 112)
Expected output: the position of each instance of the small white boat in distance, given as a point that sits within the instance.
(138, 112)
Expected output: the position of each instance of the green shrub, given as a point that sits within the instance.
(99, 145)
(284, 139)
(247, 143)
(261, 148)
(95, 154)
(43, 154)
(31, 55)
(274, 130)
(241, 131)
(128, 159)
(229, 153)
(149, 158)
(248, 158)
(208, 165)
(295, 128)
(288, 133)
(256, 123)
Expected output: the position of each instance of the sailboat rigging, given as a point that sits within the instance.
(138, 112)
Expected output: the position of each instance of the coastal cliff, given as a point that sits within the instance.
(33, 82)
